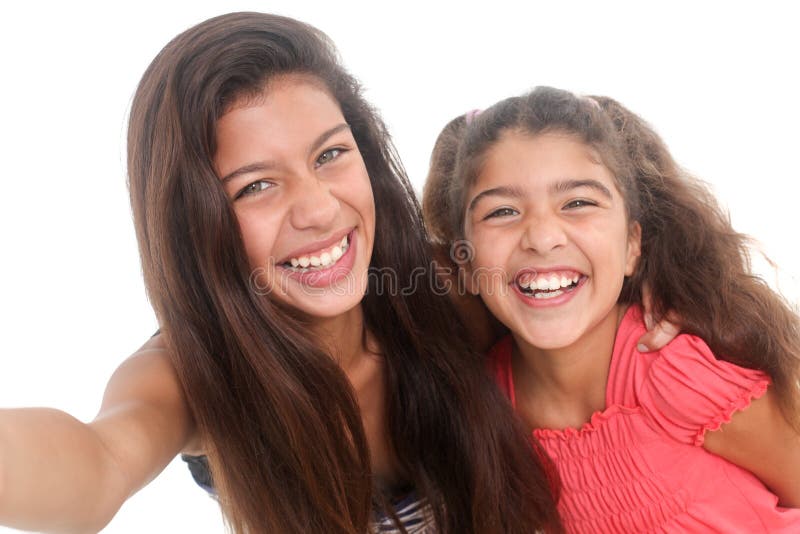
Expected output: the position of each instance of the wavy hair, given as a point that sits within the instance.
(695, 264)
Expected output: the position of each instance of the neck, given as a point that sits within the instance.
(565, 386)
(342, 336)
(358, 354)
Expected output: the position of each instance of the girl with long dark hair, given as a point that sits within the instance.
(265, 193)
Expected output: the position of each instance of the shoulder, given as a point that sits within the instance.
(146, 376)
(144, 414)
(687, 390)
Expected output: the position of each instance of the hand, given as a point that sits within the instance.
(658, 335)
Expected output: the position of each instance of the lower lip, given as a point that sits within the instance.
(533, 302)
(330, 275)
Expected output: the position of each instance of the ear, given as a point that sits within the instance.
(634, 248)
(462, 252)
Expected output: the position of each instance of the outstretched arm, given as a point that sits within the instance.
(760, 440)
(58, 474)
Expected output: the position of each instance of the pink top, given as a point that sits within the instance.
(638, 466)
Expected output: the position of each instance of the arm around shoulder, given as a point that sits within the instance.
(58, 474)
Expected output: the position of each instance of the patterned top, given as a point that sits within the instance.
(414, 514)
(639, 465)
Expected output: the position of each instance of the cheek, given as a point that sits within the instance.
(259, 238)
(601, 235)
(357, 191)
(485, 247)
(488, 268)
(368, 203)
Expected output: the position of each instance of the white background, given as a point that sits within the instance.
(715, 78)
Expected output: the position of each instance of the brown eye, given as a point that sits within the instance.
(579, 203)
(501, 212)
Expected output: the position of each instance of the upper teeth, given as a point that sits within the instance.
(549, 283)
(323, 258)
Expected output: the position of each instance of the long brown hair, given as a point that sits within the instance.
(484, 329)
(693, 261)
(436, 191)
(278, 417)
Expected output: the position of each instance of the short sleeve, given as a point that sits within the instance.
(687, 391)
(201, 472)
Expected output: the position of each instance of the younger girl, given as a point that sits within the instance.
(573, 205)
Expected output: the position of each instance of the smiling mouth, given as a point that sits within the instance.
(320, 260)
(548, 286)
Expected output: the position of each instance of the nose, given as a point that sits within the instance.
(543, 233)
(313, 204)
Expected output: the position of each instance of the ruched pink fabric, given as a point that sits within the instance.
(639, 465)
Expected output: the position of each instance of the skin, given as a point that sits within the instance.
(142, 424)
(316, 188)
(305, 183)
(561, 360)
(546, 205)
(762, 441)
(296, 179)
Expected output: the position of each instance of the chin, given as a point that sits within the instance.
(548, 340)
(327, 306)
(332, 310)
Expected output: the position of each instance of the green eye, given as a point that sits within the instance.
(329, 155)
(254, 188)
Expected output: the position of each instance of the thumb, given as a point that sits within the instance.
(658, 336)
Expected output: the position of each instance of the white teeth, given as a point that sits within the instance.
(548, 295)
(324, 259)
(547, 283)
(542, 284)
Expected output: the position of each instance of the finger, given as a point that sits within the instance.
(658, 337)
(647, 306)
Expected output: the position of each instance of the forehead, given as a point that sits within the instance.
(540, 159)
(288, 114)
(298, 96)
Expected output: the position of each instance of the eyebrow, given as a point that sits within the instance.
(560, 187)
(267, 165)
(502, 191)
(567, 185)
